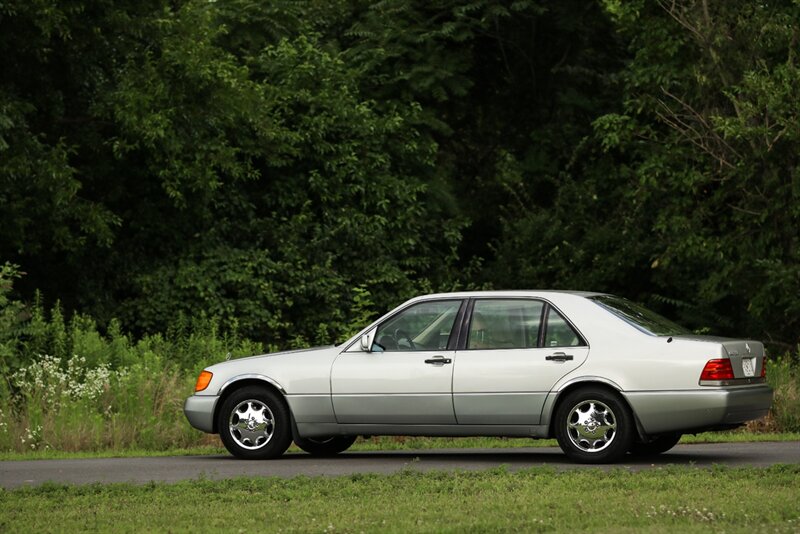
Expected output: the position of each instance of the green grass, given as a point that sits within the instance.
(390, 443)
(737, 436)
(50, 454)
(536, 500)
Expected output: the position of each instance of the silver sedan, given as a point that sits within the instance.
(601, 374)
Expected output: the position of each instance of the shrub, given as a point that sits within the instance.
(783, 374)
(68, 386)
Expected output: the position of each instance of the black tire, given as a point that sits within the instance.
(254, 424)
(607, 432)
(656, 445)
(329, 446)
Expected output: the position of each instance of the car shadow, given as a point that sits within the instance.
(548, 456)
(515, 458)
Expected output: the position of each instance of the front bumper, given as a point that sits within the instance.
(685, 411)
(199, 410)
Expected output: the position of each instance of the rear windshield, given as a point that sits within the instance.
(640, 317)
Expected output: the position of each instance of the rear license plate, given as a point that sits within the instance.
(749, 366)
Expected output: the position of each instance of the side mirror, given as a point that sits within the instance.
(366, 343)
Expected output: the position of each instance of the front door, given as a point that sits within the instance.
(407, 377)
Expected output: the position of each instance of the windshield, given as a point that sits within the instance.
(640, 317)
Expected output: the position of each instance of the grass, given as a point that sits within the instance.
(385, 443)
(740, 437)
(536, 500)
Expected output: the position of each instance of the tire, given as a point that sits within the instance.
(329, 446)
(594, 426)
(254, 424)
(657, 445)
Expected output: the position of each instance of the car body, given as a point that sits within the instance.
(600, 373)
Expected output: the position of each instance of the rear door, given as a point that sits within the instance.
(515, 351)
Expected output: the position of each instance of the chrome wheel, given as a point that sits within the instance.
(255, 423)
(591, 426)
(251, 424)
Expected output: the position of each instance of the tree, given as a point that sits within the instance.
(709, 133)
(219, 175)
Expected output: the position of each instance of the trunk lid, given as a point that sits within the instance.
(746, 355)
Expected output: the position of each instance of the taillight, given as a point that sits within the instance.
(720, 369)
(764, 367)
(203, 380)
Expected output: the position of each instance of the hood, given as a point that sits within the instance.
(282, 353)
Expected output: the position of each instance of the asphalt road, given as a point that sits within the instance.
(172, 469)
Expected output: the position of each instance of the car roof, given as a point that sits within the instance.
(544, 293)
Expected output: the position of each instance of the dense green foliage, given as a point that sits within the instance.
(534, 500)
(709, 133)
(178, 177)
(292, 168)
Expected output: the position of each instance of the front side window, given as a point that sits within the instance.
(559, 332)
(504, 324)
(423, 326)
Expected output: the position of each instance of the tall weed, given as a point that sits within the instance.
(75, 406)
(68, 386)
(783, 374)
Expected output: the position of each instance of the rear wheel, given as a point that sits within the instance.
(594, 426)
(325, 446)
(657, 445)
(254, 424)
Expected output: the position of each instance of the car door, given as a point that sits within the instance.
(407, 376)
(515, 351)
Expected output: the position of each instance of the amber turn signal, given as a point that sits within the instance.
(203, 380)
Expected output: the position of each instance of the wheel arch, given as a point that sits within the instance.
(238, 382)
(555, 398)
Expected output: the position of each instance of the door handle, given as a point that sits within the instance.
(439, 359)
(558, 357)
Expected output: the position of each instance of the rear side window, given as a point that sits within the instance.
(505, 324)
(559, 332)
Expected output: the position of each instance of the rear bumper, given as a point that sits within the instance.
(697, 410)
(199, 410)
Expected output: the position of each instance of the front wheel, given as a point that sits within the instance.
(594, 426)
(656, 445)
(254, 424)
(328, 446)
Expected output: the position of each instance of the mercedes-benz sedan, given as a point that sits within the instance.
(601, 374)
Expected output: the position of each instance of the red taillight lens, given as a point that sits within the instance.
(764, 367)
(717, 370)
